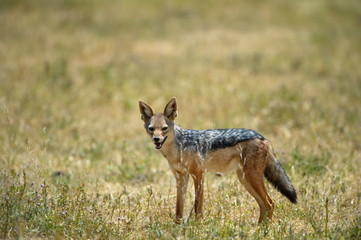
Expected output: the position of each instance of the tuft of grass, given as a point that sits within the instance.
(310, 165)
(61, 211)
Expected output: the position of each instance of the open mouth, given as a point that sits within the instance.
(158, 145)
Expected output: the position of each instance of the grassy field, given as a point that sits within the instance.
(75, 162)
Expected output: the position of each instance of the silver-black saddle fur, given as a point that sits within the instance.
(203, 141)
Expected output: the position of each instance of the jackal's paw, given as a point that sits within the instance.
(178, 220)
(199, 216)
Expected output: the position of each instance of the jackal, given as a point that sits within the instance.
(195, 152)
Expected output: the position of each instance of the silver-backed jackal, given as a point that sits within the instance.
(195, 152)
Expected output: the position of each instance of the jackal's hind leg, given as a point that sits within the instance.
(255, 186)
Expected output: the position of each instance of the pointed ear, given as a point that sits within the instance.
(145, 111)
(170, 111)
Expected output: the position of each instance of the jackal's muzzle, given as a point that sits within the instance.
(158, 142)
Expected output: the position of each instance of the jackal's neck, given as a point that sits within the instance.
(178, 136)
(170, 149)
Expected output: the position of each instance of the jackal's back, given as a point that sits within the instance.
(203, 141)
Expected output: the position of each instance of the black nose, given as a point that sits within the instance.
(156, 139)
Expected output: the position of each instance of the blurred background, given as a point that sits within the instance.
(72, 73)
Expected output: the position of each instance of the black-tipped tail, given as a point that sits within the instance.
(277, 176)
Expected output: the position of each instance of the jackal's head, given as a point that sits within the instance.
(159, 126)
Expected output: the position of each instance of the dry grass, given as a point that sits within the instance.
(76, 163)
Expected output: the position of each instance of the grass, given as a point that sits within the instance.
(77, 164)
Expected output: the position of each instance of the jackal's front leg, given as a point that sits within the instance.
(182, 182)
(198, 188)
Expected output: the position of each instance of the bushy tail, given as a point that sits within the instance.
(277, 176)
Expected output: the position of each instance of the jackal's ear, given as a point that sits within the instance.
(170, 111)
(145, 111)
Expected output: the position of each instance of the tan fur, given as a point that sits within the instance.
(248, 159)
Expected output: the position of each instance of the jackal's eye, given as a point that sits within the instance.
(151, 129)
(165, 128)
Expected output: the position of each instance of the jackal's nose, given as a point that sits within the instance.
(156, 139)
